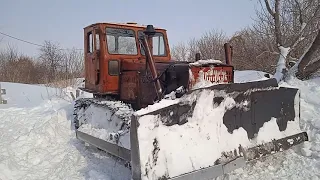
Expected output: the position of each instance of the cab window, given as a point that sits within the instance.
(158, 44)
(89, 43)
(121, 41)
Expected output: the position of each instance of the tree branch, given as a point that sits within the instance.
(277, 23)
(300, 12)
(312, 68)
(269, 8)
(303, 25)
(269, 52)
(306, 59)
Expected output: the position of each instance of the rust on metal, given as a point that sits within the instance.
(133, 77)
(228, 53)
(129, 88)
(152, 68)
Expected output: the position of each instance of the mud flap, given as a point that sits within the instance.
(212, 131)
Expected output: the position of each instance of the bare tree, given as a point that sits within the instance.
(310, 61)
(73, 66)
(8, 57)
(15, 67)
(209, 45)
(180, 52)
(51, 55)
(292, 24)
(252, 51)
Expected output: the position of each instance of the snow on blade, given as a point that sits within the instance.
(302, 162)
(161, 104)
(184, 148)
(270, 131)
(110, 124)
(169, 151)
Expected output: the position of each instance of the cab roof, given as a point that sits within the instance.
(129, 24)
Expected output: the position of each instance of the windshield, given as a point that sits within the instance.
(121, 41)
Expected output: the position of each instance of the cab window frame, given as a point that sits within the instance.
(140, 32)
(135, 53)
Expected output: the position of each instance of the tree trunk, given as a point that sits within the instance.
(305, 69)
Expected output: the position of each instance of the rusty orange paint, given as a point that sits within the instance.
(96, 62)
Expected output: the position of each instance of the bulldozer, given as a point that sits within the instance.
(177, 120)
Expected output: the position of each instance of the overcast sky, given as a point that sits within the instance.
(62, 21)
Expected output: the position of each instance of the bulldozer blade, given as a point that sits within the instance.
(105, 125)
(214, 130)
(111, 148)
(274, 146)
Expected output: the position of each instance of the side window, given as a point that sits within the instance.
(90, 42)
(111, 44)
(158, 45)
(97, 40)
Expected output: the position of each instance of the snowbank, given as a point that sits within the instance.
(37, 141)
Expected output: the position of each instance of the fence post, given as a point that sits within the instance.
(2, 92)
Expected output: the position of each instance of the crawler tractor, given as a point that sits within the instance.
(177, 120)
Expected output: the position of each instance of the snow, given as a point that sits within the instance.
(301, 162)
(116, 137)
(249, 76)
(202, 140)
(159, 105)
(281, 65)
(202, 134)
(206, 61)
(37, 141)
(240, 77)
(270, 131)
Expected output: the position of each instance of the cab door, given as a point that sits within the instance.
(93, 59)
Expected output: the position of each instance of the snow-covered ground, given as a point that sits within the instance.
(38, 142)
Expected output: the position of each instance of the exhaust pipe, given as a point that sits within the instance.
(145, 42)
(228, 53)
